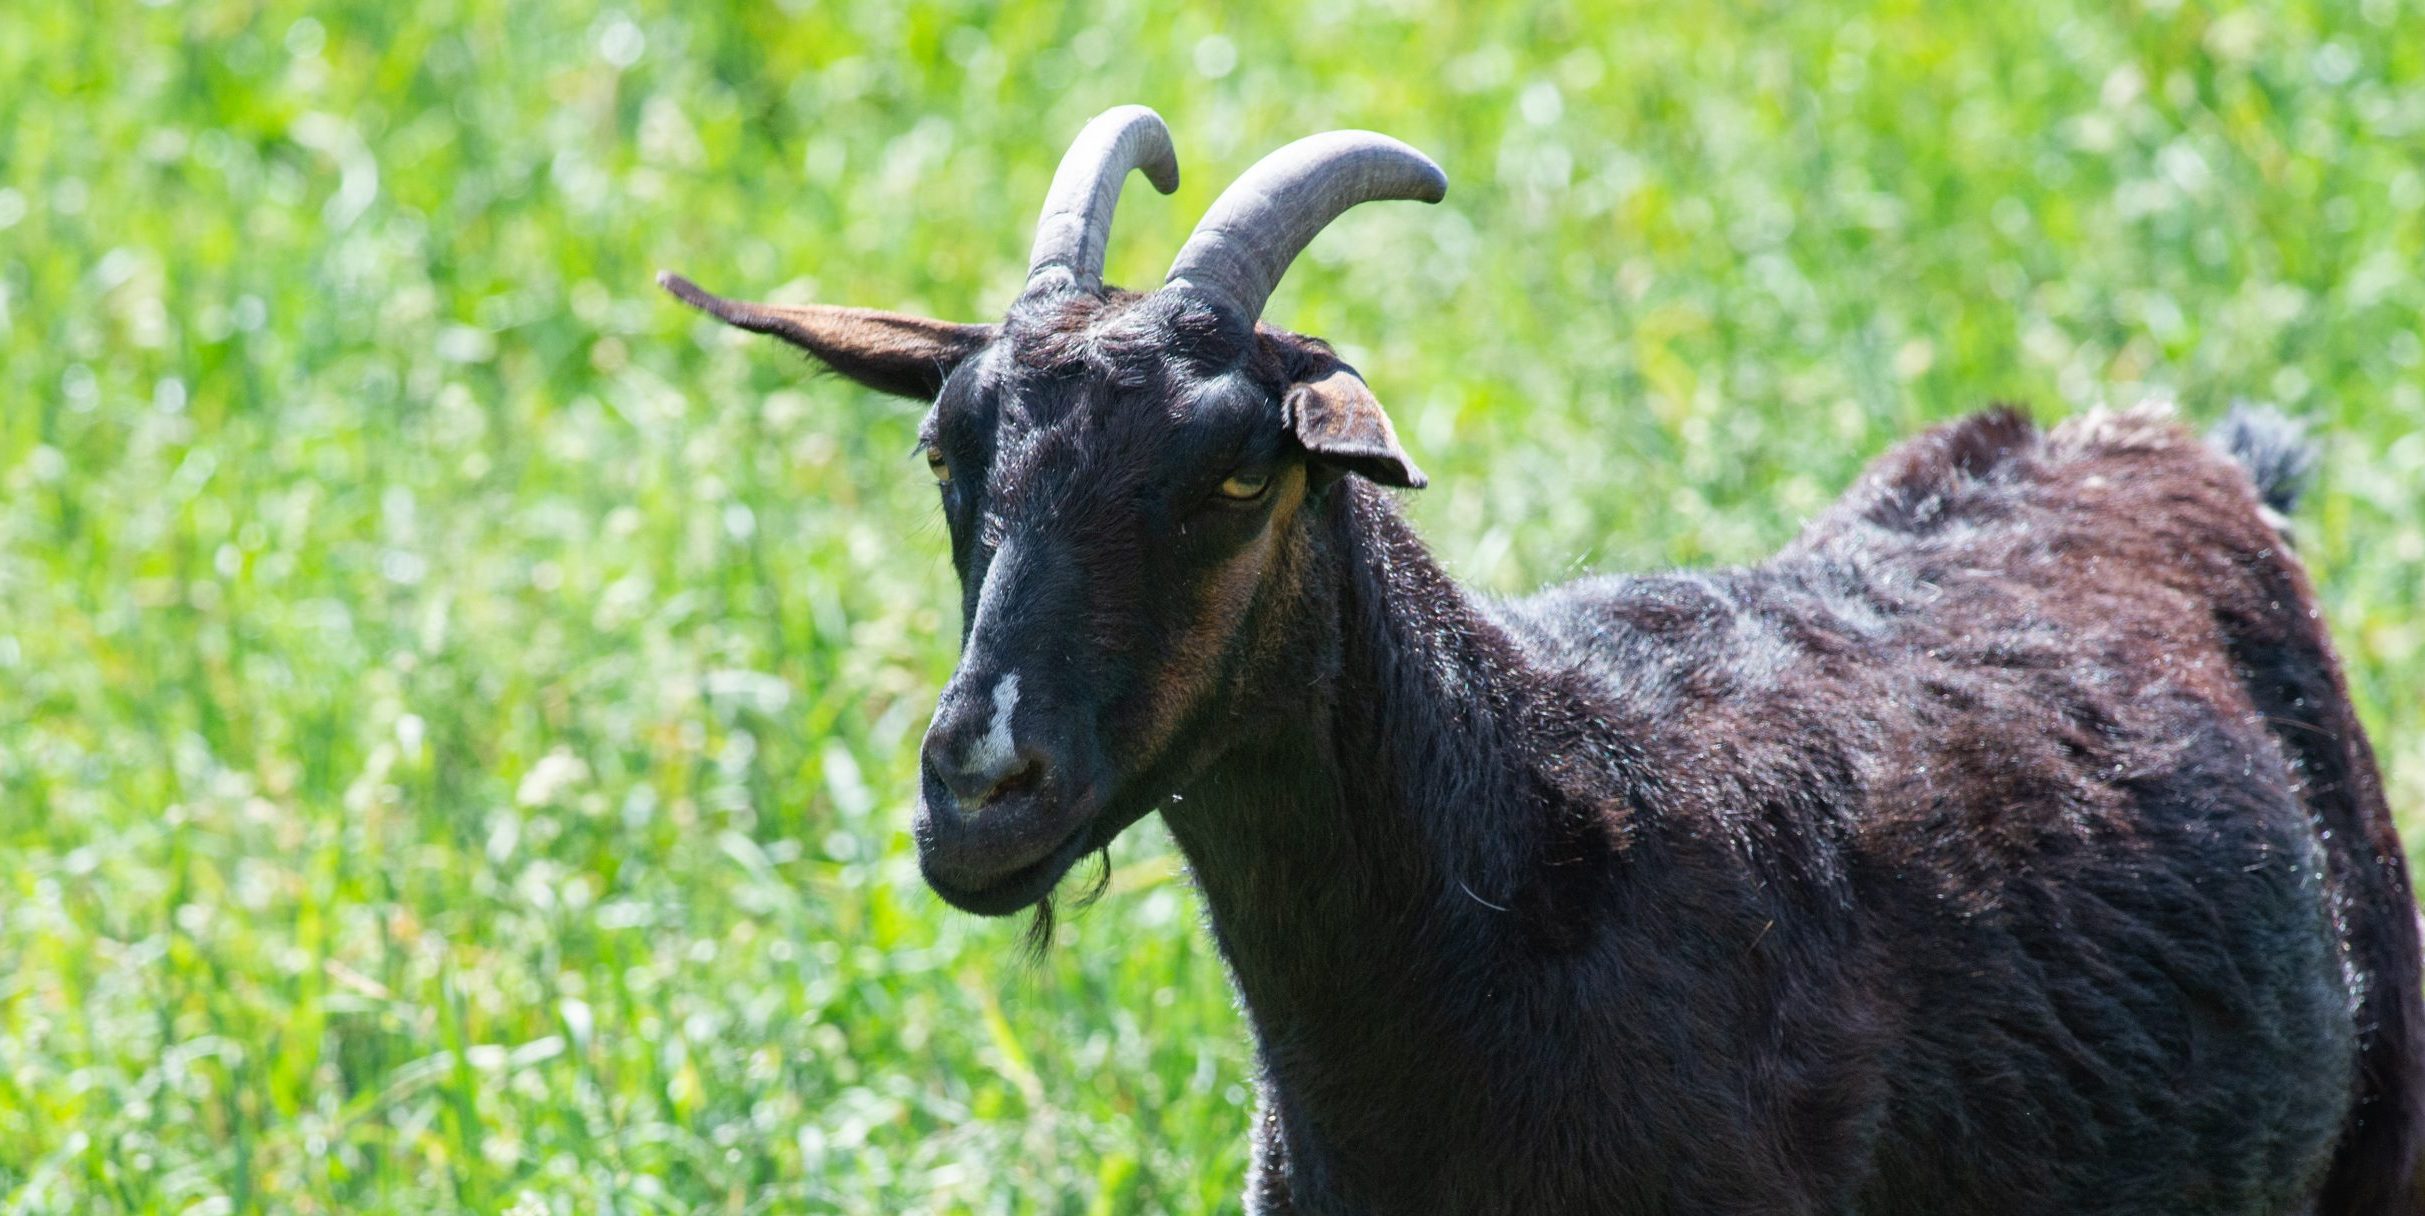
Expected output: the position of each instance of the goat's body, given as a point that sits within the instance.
(2006, 845)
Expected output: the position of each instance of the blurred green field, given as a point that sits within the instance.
(458, 708)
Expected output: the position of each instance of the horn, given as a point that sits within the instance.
(1076, 223)
(1265, 219)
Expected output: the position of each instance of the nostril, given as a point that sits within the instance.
(976, 784)
(1021, 776)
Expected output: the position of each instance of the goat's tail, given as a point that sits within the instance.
(2275, 450)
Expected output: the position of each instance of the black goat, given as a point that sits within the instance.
(2005, 845)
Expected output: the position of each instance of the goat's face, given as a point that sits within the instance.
(1123, 488)
(1124, 477)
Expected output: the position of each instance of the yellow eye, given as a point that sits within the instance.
(936, 465)
(1245, 487)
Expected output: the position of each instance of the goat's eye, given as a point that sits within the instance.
(1245, 486)
(935, 464)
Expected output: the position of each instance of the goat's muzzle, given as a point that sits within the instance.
(1001, 815)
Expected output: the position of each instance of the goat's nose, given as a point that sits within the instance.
(974, 751)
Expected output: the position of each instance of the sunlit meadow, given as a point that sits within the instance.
(458, 708)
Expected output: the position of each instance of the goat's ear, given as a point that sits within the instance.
(886, 351)
(1340, 422)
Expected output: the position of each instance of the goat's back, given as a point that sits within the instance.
(2098, 812)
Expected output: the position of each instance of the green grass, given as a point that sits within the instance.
(457, 708)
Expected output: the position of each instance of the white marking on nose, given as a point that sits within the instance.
(993, 752)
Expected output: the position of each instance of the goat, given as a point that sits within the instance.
(2005, 845)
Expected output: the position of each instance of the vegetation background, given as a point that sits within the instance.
(458, 708)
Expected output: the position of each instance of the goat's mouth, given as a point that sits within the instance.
(1009, 852)
(1012, 854)
(1000, 893)
(1017, 888)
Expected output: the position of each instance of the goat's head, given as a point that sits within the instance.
(1124, 477)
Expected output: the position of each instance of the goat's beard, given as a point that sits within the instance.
(1039, 938)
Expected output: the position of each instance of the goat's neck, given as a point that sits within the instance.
(1365, 846)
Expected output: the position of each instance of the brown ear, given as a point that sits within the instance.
(1339, 421)
(886, 351)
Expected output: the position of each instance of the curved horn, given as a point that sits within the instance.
(1076, 223)
(1266, 218)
